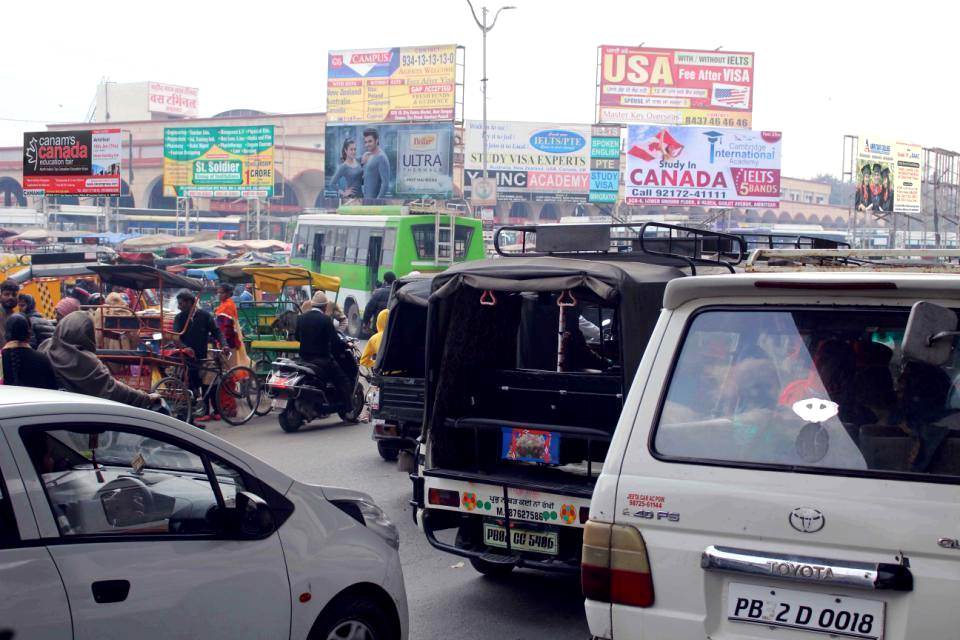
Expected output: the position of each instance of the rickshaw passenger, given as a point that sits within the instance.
(369, 357)
(195, 333)
(65, 307)
(318, 339)
(73, 355)
(40, 327)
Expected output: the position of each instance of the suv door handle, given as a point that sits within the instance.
(105, 591)
(859, 575)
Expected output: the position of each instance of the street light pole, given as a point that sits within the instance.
(485, 29)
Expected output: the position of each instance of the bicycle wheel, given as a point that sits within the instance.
(238, 395)
(177, 396)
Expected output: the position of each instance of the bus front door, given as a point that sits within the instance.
(374, 249)
(317, 256)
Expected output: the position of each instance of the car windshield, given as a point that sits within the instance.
(824, 388)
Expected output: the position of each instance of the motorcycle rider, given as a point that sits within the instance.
(320, 345)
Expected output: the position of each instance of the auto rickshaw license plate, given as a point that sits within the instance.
(521, 539)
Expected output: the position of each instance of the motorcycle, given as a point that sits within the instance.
(302, 393)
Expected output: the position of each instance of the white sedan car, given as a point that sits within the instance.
(117, 522)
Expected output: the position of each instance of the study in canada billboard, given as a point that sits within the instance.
(218, 162)
(79, 163)
(675, 87)
(704, 167)
(398, 84)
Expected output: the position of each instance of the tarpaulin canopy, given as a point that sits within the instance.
(33, 234)
(139, 277)
(273, 279)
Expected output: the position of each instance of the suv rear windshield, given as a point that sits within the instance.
(822, 388)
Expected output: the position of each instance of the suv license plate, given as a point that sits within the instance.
(840, 616)
(521, 539)
(279, 403)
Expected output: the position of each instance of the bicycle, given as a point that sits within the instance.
(236, 394)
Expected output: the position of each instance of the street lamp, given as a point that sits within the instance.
(485, 28)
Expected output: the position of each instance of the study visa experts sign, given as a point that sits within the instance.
(218, 162)
(78, 163)
(675, 87)
(704, 167)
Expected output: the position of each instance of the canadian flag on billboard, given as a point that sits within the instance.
(662, 145)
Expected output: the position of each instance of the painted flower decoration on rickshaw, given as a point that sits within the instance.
(568, 513)
(469, 501)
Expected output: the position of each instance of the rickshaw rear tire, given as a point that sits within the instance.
(387, 451)
(354, 321)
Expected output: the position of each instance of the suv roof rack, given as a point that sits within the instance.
(654, 242)
(780, 240)
(915, 260)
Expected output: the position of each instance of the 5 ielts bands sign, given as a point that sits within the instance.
(704, 167)
(78, 163)
(675, 86)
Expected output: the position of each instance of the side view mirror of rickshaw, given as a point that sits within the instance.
(928, 336)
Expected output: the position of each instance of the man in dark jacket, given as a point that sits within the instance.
(320, 344)
(40, 327)
(195, 333)
(378, 300)
(8, 298)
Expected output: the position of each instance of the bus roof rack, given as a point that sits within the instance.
(654, 242)
(910, 260)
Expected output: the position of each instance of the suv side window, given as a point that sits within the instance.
(117, 482)
(8, 523)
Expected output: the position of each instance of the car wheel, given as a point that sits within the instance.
(387, 451)
(290, 420)
(354, 321)
(352, 619)
(492, 569)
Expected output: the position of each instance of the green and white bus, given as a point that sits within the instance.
(361, 243)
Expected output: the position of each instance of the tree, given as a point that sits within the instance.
(841, 193)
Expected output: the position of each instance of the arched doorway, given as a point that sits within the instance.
(799, 218)
(784, 218)
(769, 217)
(156, 199)
(549, 213)
(284, 194)
(11, 193)
(752, 216)
(520, 210)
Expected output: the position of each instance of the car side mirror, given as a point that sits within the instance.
(254, 518)
(929, 334)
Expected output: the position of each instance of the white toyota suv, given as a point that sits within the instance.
(116, 522)
(786, 465)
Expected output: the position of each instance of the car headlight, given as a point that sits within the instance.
(372, 517)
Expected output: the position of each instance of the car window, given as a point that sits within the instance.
(822, 388)
(119, 482)
(8, 523)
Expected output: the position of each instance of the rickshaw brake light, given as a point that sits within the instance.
(615, 567)
(444, 498)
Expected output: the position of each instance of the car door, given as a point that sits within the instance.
(760, 510)
(130, 515)
(33, 602)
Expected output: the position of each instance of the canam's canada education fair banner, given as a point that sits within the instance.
(675, 86)
(218, 162)
(888, 176)
(399, 84)
(79, 163)
(702, 167)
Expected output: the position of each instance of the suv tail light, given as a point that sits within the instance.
(615, 567)
(443, 497)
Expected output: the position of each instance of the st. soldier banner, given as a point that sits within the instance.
(218, 162)
(399, 84)
(702, 167)
(377, 162)
(78, 163)
(675, 86)
(888, 176)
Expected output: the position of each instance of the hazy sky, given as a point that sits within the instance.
(823, 69)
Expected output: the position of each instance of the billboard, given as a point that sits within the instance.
(675, 86)
(171, 99)
(604, 164)
(702, 167)
(888, 177)
(79, 163)
(218, 162)
(542, 162)
(389, 161)
(400, 84)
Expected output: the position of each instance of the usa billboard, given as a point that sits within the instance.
(538, 161)
(389, 161)
(79, 163)
(398, 84)
(218, 162)
(888, 176)
(675, 87)
(702, 167)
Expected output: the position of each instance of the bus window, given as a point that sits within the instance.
(389, 248)
(340, 244)
(363, 245)
(461, 242)
(423, 240)
(352, 238)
